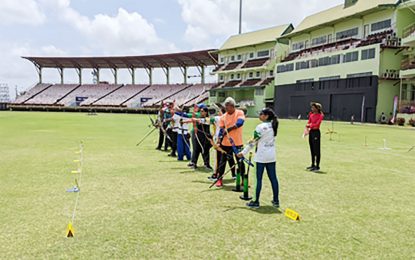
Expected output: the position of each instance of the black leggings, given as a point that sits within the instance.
(314, 141)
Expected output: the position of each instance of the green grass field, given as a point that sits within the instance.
(140, 203)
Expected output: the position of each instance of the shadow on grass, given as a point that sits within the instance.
(197, 171)
(316, 172)
(223, 188)
(261, 210)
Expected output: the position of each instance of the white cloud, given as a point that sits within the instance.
(19, 72)
(210, 22)
(124, 33)
(20, 12)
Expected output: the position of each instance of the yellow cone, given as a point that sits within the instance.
(70, 232)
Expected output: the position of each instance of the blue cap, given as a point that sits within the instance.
(200, 106)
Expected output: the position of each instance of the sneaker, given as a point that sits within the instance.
(209, 167)
(190, 164)
(158, 148)
(172, 155)
(253, 204)
(310, 168)
(315, 169)
(213, 177)
(194, 167)
(233, 177)
(219, 184)
(275, 204)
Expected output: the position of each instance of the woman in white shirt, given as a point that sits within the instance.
(265, 156)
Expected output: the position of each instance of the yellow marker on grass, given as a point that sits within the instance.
(70, 232)
(289, 213)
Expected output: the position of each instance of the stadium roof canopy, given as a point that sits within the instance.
(256, 37)
(184, 59)
(339, 13)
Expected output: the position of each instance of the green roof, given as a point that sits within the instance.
(338, 13)
(256, 37)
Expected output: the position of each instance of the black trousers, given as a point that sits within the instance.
(161, 139)
(219, 156)
(314, 141)
(230, 159)
(197, 150)
(173, 142)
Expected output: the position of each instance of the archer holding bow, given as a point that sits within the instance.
(230, 138)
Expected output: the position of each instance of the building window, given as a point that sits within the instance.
(271, 73)
(212, 94)
(347, 33)
(325, 61)
(251, 55)
(232, 76)
(298, 46)
(258, 74)
(232, 58)
(329, 78)
(305, 80)
(238, 76)
(368, 54)
(285, 68)
(313, 63)
(251, 75)
(335, 59)
(221, 78)
(261, 54)
(381, 25)
(319, 40)
(222, 60)
(239, 57)
(302, 65)
(221, 94)
(259, 92)
(351, 56)
(359, 75)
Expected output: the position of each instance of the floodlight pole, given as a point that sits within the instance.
(240, 16)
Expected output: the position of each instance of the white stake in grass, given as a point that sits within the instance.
(385, 146)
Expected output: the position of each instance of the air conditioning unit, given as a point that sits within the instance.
(386, 74)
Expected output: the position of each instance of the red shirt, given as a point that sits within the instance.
(314, 121)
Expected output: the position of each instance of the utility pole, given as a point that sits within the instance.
(240, 16)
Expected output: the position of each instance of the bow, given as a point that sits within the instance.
(161, 122)
(195, 128)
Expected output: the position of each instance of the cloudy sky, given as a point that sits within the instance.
(127, 27)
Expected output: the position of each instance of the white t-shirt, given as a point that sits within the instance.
(180, 129)
(265, 144)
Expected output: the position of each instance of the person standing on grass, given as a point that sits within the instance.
(168, 118)
(202, 145)
(216, 129)
(230, 137)
(183, 137)
(315, 118)
(265, 156)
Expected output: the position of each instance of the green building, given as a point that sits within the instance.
(348, 58)
(246, 68)
(407, 97)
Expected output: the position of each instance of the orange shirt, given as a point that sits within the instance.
(227, 121)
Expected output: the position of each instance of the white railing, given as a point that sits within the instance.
(409, 30)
